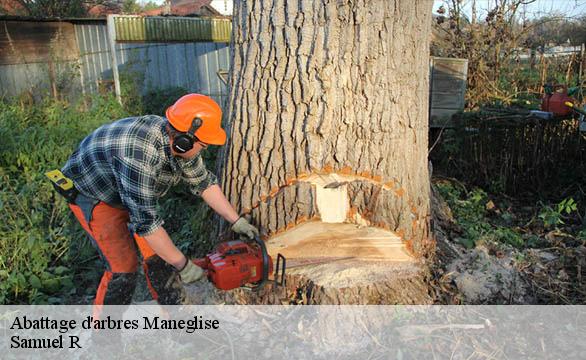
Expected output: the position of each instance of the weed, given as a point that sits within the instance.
(470, 213)
(507, 236)
(553, 216)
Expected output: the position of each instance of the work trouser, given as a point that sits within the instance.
(107, 228)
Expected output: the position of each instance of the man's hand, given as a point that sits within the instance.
(190, 272)
(242, 226)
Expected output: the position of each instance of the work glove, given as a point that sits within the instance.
(243, 227)
(190, 272)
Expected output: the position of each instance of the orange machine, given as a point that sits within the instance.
(237, 263)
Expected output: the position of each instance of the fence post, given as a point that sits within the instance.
(582, 63)
(112, 44)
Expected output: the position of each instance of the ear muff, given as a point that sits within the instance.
(184, 142)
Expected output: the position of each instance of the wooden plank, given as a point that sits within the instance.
(441, 117)
(113, 56)
(448, 88)
(454, 67)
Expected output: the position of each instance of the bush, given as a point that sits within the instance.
(157, 101)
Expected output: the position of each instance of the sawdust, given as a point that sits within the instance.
(203, 292)
(471, 276)
(353, 273)
(482, 278)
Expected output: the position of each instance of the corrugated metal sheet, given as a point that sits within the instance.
(96, 65)
(33, 79)
(191, 65)
(38, 57)
(176, 29)
(447, 89)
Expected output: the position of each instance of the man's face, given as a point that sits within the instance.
(197, 147)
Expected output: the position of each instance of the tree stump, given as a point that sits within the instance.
(336, 263)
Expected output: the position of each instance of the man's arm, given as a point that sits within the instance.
(163, 246)
(138, 195)
(205, 184)
(215, 198)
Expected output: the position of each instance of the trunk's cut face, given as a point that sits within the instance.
(328, 125)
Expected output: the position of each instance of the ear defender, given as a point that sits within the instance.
(185, 141)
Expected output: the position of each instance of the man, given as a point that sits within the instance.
(119, 172)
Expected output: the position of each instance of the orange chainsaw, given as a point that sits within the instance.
(238, 263)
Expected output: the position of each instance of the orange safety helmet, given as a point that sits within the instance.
(191, 106)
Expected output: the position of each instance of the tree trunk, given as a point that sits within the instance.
(328, 119)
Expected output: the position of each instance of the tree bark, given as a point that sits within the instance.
(328, 115)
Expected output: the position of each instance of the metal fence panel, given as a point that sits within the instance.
(193, 66)
(190, 65)
(131, 28)
(96, 64)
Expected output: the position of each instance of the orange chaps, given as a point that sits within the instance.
(107, 228)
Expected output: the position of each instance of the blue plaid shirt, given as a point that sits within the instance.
(129, 163)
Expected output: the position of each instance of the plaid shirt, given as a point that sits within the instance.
(129, 163)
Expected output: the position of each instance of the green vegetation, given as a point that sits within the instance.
(503, 149)
(36, 229)
(70, 8)
(471, 212)
(553, 216)
(495, 38)
(495, 218)
(45, 256)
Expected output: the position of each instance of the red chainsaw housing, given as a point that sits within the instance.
(555, 103)
(234, 264)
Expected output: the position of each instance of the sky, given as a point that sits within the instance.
(572, 8)
(569, 8)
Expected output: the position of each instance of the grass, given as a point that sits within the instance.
(44, 254)
(36, 229)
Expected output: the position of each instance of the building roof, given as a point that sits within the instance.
(52, 19)
(181, 8)
(103, 10)
(14, 8)
(185, 8)
(11, 7)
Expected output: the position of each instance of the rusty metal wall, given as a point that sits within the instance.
(191, 65)
(37, 57)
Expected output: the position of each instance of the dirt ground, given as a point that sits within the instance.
(490, 273)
